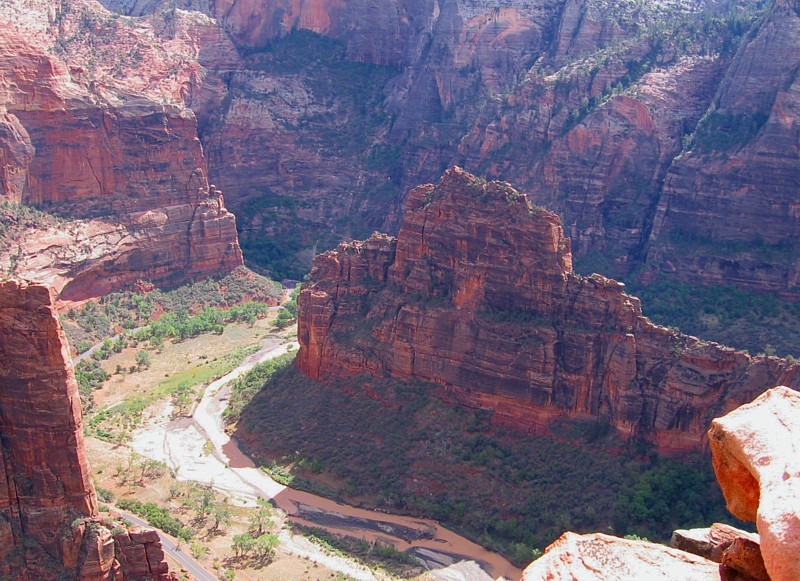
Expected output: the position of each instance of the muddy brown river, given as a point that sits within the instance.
(233, 472)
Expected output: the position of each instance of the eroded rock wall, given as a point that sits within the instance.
(48, 508)
(117, 155)
(477, 294)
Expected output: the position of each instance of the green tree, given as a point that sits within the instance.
(265, 546)
(142, 359)
(261, 518)
(243, 544)
(221, 515)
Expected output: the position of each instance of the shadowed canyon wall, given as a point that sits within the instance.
(477, 294)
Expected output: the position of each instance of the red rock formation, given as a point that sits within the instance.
(477, 294)
(757, 468)
(106, 149)
(597, 556)
(46, 494)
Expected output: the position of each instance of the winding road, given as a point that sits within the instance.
(171, 548)
(181, 443)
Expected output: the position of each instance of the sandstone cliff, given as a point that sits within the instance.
(623, 119)
(116, 153)
(639, 123)
(477, 294)
(48, 506)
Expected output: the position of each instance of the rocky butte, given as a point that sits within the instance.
(49, 524)
(477, 294)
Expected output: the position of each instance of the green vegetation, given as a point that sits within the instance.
(406, 450)
(158, 517)
(191, 309)
(288, 314)
(726, 132)
(373, 555)
(113, 424)
(732, 316)
(344, 124)
(244, 388)
(90, 376)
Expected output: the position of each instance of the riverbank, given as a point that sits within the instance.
(180, 444)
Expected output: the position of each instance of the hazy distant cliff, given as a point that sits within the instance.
(662, 132)
(477, 293)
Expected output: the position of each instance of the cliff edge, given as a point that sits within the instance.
(49, 525)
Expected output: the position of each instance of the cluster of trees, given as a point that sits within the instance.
(158, 517)
(245, 387)
(128, 310)
(257, 542)
(182, 325)
(89, 376)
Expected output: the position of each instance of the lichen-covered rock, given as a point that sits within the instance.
(596, 557)
(477, 294)
(758, 469)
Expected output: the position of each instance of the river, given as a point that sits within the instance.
(182, 444)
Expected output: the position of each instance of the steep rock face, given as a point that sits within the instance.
(757, 467)
(106, 149)
(45, 477)
(638, 123)
(732, 197)
(477, 294)
(47, 499)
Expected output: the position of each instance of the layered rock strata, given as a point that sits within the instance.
(477, 294)
(47, 500)
(117, 155)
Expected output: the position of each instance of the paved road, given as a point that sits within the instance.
(171, 548)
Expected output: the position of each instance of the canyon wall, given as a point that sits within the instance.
(477, 294)
(48, 508)
(661, 132)
(125, 172)
(637, 124)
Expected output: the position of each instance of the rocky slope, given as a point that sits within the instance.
(477, 294)
(48, 507)
(87, 137)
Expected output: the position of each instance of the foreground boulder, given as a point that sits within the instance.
(708, 542)
(597, 556)
(758, 467)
